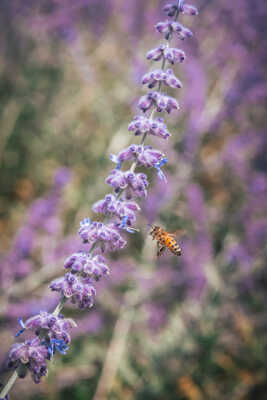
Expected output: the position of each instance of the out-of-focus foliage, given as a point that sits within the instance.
(189, 328)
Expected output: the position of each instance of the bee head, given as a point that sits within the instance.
(154, 229)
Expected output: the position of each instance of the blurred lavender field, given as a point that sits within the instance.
(192, 327)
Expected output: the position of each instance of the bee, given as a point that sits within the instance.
(165, 240)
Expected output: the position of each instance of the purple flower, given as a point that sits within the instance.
(33, 355)
(155, 127)
(156, 54)
(161, 101)
(120, 208)
(108, 235)
(76, 262)
(172, 9)
(57, 326)
(136, 183)
(168, 27)
(158, 75)
(126, 225)
(117, 179)
(150, 157)
(126, 154)
(79, 290)
(189, 9)
(145, 155)
(145, 102)
(87, 264)
(172, 55)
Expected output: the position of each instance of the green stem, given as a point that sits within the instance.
(9, 385)
(60, 306)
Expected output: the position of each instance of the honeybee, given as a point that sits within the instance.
(165, 240)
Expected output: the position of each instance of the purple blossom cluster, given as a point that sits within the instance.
(57, 326)
(155, 127)
(76, 288)
(169, 27)
(160, 101)
(52, 334)
(135, 183)
(108, 236)
(31, 354)
(167, 77)
(90, 266)
(172, 55)
(171, 9)
(119, 209)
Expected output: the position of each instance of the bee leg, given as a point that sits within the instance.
(160, 249)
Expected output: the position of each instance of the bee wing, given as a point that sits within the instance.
(178, 233)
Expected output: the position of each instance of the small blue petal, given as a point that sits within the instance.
(60, 345)
(50, 351)
(163, 162)
(124, 222)
(119, 165)
(86, 221)
(21, 323)
(161, 175)
(123, 225)
(57, 345)
(114, 158)
(116, 161)
(159, 172)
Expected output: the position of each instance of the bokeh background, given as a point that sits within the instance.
(193, 327)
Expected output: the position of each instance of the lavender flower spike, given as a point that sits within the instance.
(50, 331)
